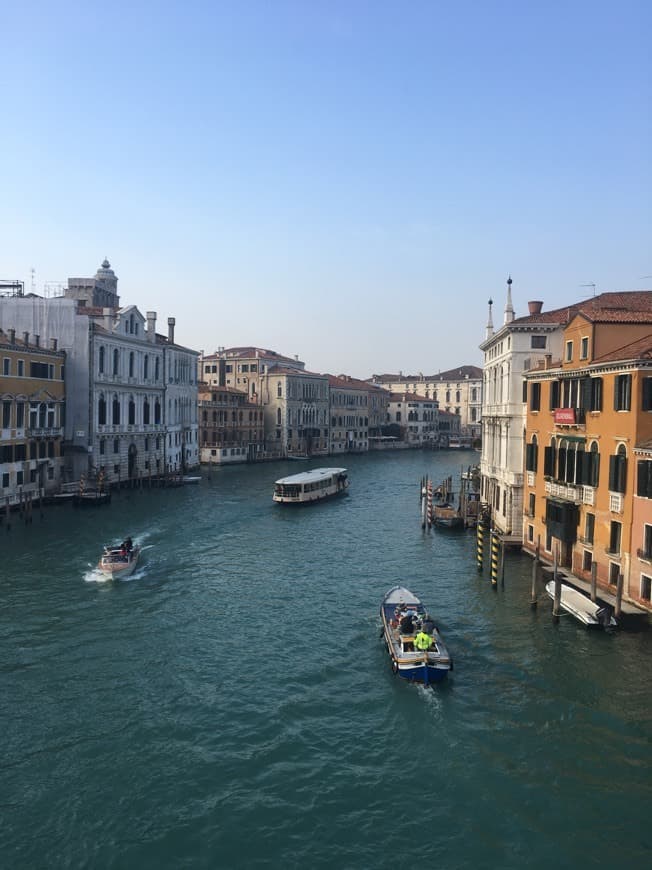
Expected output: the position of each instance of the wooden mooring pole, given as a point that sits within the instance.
(495, 551)
(557, 583)
(594, 580)
(535, 571)
(619, 595)
(480, 531)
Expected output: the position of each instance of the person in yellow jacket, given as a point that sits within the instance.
(422, 641)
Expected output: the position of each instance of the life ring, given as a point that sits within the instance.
(394, 667)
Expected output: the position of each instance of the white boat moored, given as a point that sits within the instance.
(581, 607)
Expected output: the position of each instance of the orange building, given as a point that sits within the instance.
(586, 414)
(640, 584)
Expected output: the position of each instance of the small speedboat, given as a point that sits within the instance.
(581, 607)
(119, 560)
(416, 648)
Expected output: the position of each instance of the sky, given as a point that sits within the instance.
(345, 181)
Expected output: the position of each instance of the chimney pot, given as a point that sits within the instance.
(171, 325)
(12, 336)
(37, 340)
(535, 306)
(26, 337)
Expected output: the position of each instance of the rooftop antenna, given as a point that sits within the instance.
(33, 271)
(590, 284)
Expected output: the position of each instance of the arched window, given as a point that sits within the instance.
(116, 361)
(146, 367)
(458, 396)
(279, 392)
(532, 454)
(474, 394)
(618, 470)
(146, 411)
(116, 410)
(448, 395)
(101, 410)
(594, 465)
(101, 360)
(132, 411)
(131, 362)
(157, 409)
(156, 369)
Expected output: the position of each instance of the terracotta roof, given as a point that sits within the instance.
(458, 374)
(297, 373)
(249, 353)
(639, 349)
(617, 307)
(346, 382)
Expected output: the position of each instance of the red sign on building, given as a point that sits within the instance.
(565, 415)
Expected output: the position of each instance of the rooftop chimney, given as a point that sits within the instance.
(535, 307)
(26, 337)
(151, 326)
(37, 340)
(171, 323)
(12, 336)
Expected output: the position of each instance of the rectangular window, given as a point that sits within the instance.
(584, 348)
(538, 342)
(20, 478)
(6, 366)
(617, 473)
(647, 541)
(587, 560)
(644, 479)
(524, 392)
(614, 571)
(595, 403)
(6, 415)
(5, 480)
(646, 394)
(531, 457)
(530, 534)
(569, 351)
(554, 395)
(21, 368)
(622, 392)
(535, 396)
(614, 537)
(589, 528)
(531, 504)
(646, 587)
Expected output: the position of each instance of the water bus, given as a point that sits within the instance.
(311, 486)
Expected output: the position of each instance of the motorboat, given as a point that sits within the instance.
(581, 607)
(119, 561)
(416, 648)
(311, 486)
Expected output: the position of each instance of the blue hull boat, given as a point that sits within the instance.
(416, 648)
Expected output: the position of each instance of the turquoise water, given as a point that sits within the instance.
(231, 704)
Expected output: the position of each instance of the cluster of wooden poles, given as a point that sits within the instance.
(497, 560)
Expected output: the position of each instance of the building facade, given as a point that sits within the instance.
(120, 378)
(458, 391)
(585, 416)
(349, 413)
(32, 400)
(231, 427)
(417, 418)
(296, 411)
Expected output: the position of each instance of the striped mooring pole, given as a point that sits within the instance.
(480, 532)
(495, 551)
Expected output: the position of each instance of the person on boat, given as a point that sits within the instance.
(407, 624)
(129, 544)
(427, 624)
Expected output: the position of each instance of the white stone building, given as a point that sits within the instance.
(509, 352)
(296, 406)
(349, 411)
(418, 418)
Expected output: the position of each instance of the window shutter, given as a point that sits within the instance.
(585, 470)
(613, 473)
(561, 470)
(647, 394)
(622, 474)
(585, 393)
(641, 477)
(548, 461)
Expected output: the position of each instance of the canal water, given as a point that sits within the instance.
(231, 705)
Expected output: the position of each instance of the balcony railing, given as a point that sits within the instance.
(645, 555)
(45, 432)
(616, 503)
(588, 542)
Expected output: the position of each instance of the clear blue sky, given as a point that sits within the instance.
(347, 181)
